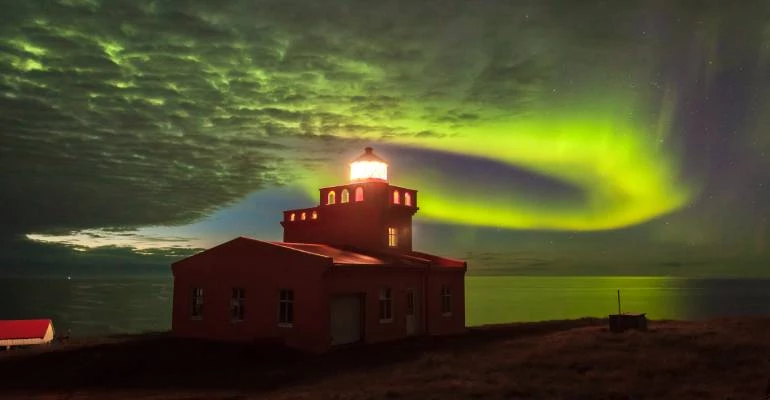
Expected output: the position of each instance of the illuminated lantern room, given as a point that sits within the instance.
(368, 167)
(366, 212)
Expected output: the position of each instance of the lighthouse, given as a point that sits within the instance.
(344, 273)
(367, 212)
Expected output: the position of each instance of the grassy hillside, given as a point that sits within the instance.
(715, 359)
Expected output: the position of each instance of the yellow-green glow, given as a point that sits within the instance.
(113, 49)
(122, 84)
(488, 297)
(27, 65)
(28, 47)
(626, 175)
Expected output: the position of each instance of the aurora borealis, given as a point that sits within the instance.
(552, 136)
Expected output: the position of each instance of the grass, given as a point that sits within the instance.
(715, 359)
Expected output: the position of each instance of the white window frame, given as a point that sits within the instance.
(386, 305)
(286, 308)
(392, 237)
(345, 196)
(197, 303)
(446, 301)
(238, 305)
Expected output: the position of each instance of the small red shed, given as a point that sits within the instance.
(25, 332)
(345, 273)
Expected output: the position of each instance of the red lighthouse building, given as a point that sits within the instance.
(344, 273)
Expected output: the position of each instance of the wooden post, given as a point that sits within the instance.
(618, 301)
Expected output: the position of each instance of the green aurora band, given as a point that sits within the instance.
(624, 169)
(215, 106)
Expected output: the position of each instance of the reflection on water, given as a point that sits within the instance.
(109, 306)
(505, 299)
(92, 306)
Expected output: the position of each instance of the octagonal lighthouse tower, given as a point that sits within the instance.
(367, 212)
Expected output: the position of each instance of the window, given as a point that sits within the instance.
(410, 302)
(286, 307)
(292, 217)
(407, 198)
(303, 216)
(446, 300)
(330, 197)
(392, 237)
(197, 302)
(386, 306)
(359, 194)
(237, 304)
(345, 196)
(396, 197)
(314, 215)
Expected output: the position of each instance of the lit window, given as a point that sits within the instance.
(386, 306)
(330, 198)
(303, 216)
(292, 217)
(392, 237)
(407, 198)
(237, 304)
(314, 215)
(345, 196)
(396, 197)
(286, 307)
(197, 302)
(446, 301)
(359, 194)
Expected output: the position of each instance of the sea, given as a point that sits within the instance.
(88, 307)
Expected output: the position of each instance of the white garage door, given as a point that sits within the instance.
(345, 319)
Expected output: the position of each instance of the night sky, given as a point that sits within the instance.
(555, 137)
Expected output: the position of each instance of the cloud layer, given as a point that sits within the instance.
(127, 113)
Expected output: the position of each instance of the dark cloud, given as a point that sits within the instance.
(24, 258)
(123, 113)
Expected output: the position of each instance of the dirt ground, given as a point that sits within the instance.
(715, 359)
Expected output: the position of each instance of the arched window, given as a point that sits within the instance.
(330, 198)
(396, 197)
(359, 194)
(292, 217)
(314, 215)
(345, 196)
(407, 198)
(303, 216)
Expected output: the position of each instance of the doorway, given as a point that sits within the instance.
(411, 312)
(346, 322)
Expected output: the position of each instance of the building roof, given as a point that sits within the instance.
(369, 156)
(340, 256)
(345, 255)
(355, 256)
(24, 329)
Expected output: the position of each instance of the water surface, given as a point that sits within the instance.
(128, 305)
